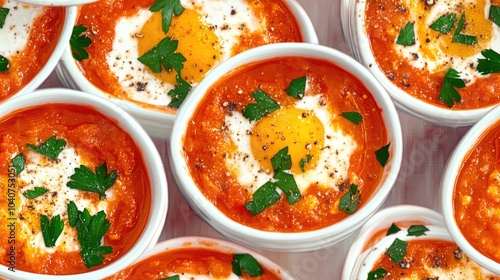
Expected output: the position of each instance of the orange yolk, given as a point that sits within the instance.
(476, 24)
(197, 42)
(299, 130)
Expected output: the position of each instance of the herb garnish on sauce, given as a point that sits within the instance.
(377, 274)
(350, 200)
(353, 117)
(179, 92)
(247, 263)
(297, 87)
(489, 64)
(382, 155)
(444, 24)
(448, 93)
(19, 163)
(167, 8)
(264, 106)
(79, 41)
(406, 36)
(51, 148)
(4, 64)
(86, 180)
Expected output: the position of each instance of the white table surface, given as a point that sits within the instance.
(426, 149)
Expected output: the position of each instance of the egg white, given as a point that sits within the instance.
(332, 166)
(15, 32)
(461, 64)
(225, 17)
(52, 175)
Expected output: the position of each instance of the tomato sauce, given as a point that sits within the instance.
(423, 257)
(196, 261)
(206, 144)
(383, 22)
(96, 139)
(42, 41)
(101, 18)
(476, 199)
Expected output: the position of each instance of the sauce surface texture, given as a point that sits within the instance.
(229, 157)
(91, 140)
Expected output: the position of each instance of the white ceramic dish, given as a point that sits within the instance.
(156, 122)
(450, 175)
(56, 55)
(290, 242)
(152, 159)
(213, 244)
(357, 40)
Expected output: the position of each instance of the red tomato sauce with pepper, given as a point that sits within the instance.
(476, 198)
(195, 261)
(101, 18)
(206, 144)
(383, 22)
(24, 66)
(96, 139)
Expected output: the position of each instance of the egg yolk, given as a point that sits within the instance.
(197, 43)
(476, 24)
(299, 130)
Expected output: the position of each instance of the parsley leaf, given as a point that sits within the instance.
(100, 181)
(91, 230)
(50, 148)
(36, 192)
(163, 54)
(247, 263)
(350, 200)
(304, 161)
(167, 8)
(448, 93)
(263, 197)
(393, 229)
(179, 93)
(462, 38)
(4, 64)
(489, 64)
(19, 163)
(281, 160)
(353, 117)
(79, 41)
(377, 274)
(444, 24)
(494, 14)
(406, 36)
(297, 87)
(3, 15)
(174, 277)
(51, 229)
(287, 184)
(417, 230)
(397, 250)
(264, 106)
(382, 155)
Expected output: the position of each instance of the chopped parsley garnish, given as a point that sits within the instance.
(489, 64)
(167, 8)
(4, 63)
(3, 15)
(297, 87)
(462, 38)
(397, 250)
(379, 273)
(444, 24)
(304, 161)
(350, 200)
(86, 180)
(247, 263)
(179, 92)
(264, 106)
(267, 195)
(494, 14)
(51, 229)
(50, 148)
(19, 163)
(263, 197)
(174, 277)
(448, 93)
(406, 36)
(163, 54)
(417, 230)
(393, 229)
(353, 117)
(79, 41)
(91, 230)
(34, 193)
(382, 155)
